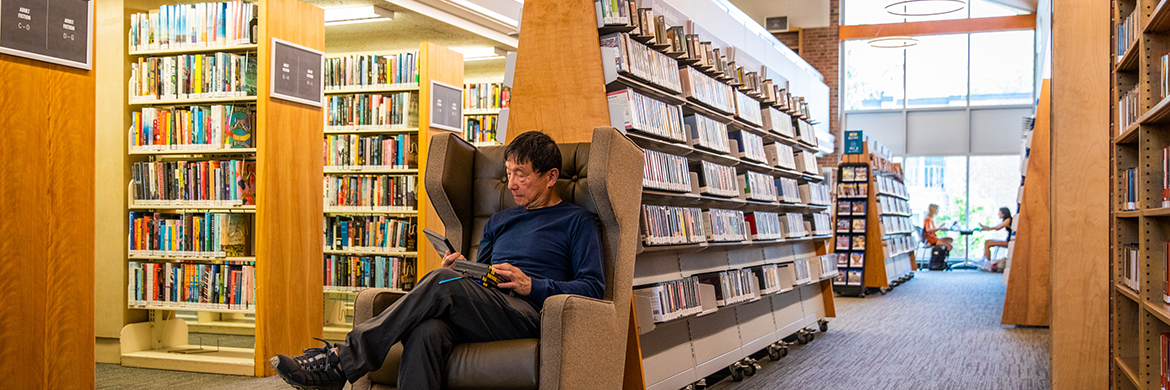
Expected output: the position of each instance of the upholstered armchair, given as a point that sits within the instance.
(583, 340)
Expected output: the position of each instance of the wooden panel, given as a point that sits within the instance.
(1080, 195)
(47, 231)
(633, 379)
(937, 27)
(875, 274)
(827, 296)
(288, 216)
(559, 87)
(1028, 300)
(444, 65)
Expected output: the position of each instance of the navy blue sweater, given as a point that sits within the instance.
(559, 247)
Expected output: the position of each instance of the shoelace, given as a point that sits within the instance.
(315, 359)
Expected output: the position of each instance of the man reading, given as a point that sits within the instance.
(543, 247)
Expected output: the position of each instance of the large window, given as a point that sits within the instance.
(969, 191)
(955, 70)
(855, 12)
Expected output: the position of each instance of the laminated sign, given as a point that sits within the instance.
(297, 73)
(54, 31)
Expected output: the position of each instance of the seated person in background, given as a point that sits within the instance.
(928, 229)
(1005, 223)
(542, 248)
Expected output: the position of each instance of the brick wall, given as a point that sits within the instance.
(820, 47)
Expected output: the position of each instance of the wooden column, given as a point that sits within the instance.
(1029, 292)
(1080, 194)
(559, 86)
(47, 225)
(288, 220)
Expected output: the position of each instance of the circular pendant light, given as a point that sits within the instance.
(893, 42)
(925, 7)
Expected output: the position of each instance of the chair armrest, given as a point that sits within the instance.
(373, 301)
(579, 346)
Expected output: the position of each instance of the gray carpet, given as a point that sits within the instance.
(939, 331)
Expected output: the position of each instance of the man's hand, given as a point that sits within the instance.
(517, 280)
(449, 259)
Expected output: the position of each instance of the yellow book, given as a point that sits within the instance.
(198, 87)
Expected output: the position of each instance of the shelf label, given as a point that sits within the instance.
(296, 73)
(446, 107)
(54, 31)
(854, 142)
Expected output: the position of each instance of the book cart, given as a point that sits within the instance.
(376, 133)
(221, 207)
(734, 210)
(873, 243)
(1139, 312)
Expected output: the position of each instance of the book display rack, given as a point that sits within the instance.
(220, 235)
(874, 243)
(374, 205)
(733, 211)
(1139, 312)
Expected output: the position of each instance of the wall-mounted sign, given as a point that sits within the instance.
(55, 31)
(446, 107)
(297, 73)
(854, 142)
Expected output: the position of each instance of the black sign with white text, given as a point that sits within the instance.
(55, 31)
(446, 106)
(296, 73)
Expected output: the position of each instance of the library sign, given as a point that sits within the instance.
(854, 143)
(54, 31)
(296, 73)
(446, 106)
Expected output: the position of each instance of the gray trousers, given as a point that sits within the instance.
(429, 321)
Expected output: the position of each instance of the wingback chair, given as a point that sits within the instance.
(583, 340)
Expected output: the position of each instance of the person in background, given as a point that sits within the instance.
(929, 229)
(1006, 223)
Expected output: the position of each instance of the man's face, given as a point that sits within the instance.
(526, 185)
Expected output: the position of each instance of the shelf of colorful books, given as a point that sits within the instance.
(359, 210)
(1129, 135)
(1158, 309)
(195, 50)
(1130, 61)
(368, 130)
(1159, 113)
(653, 91)
(188, 152)
(481, 111)
(372, 89)
(369, 253)
(192, 259)
(1159, 19)
(1128, 292)
(251, 209)
(191, 102)
(192, 308)
(358, 169)
(1128, 213)
(1126, 365)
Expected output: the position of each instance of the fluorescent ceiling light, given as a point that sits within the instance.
(361, 14)
(480, 53)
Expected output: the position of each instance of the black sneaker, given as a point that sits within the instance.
(317, 369)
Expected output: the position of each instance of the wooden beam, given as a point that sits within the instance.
(939, 27)
(444, 65)
(1080, 194)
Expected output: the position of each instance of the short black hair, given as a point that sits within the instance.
(535, 147)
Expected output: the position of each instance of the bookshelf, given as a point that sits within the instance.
(731, 252)
(1028, 300)
(483, 104)
(1139, 228)
(249, 227)
(364, 189)
(882, 255)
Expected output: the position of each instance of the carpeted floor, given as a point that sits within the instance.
(938, 331)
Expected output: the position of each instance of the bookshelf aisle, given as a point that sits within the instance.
(375, 133)
(874, 243)
(217, 220)
(734, 209)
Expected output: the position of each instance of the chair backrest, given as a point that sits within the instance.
(467, 186)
